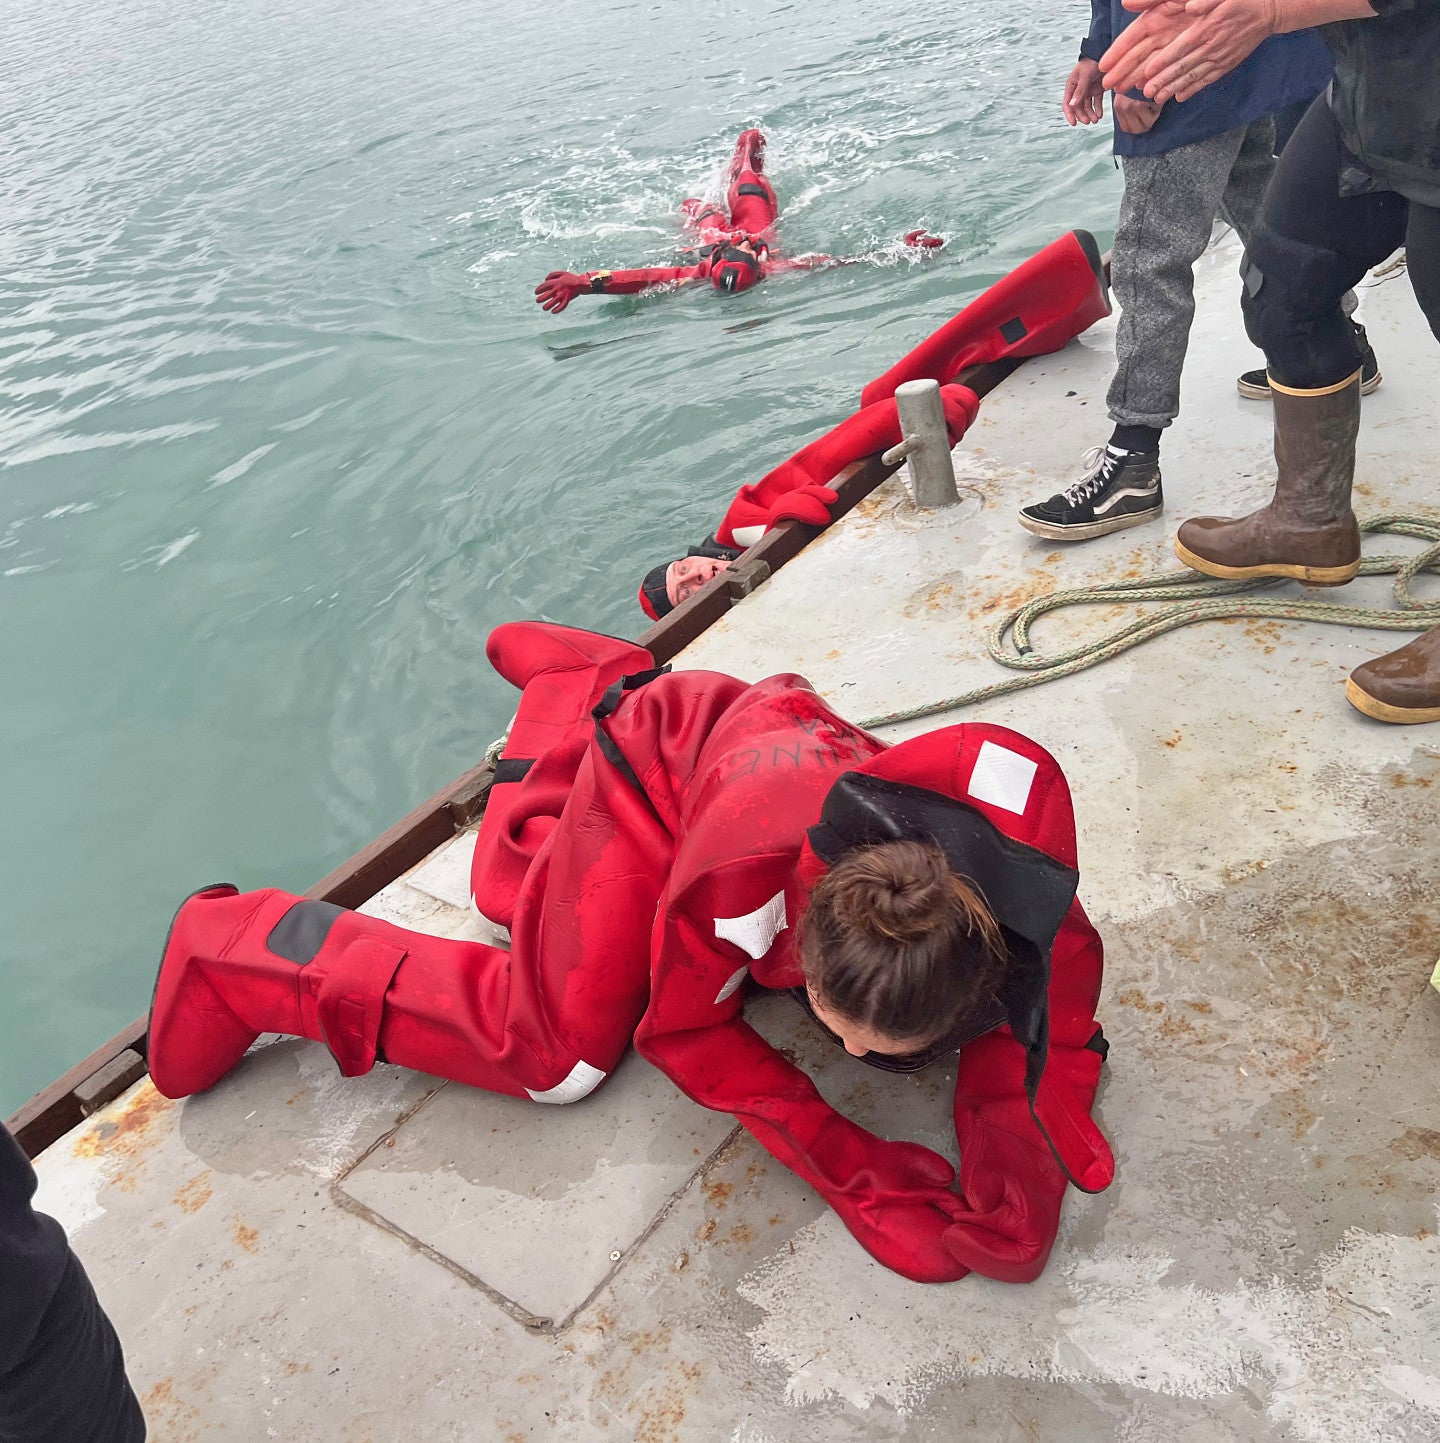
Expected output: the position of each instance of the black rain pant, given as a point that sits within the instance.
(1313, 244)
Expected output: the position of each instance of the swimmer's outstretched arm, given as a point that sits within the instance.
(919, 240)
(559, 288)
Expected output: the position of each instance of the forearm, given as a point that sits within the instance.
(732, 1069)
(629, 283)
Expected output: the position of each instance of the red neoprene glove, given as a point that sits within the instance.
(558, 289)
(923, 240)
(899, 1207)
(810, 504)
(1013, 1188)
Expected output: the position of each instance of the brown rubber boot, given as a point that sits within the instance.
(1403, 686)
(1308, 530)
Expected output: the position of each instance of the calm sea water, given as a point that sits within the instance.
(282, 435)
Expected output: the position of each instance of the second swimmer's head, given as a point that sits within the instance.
(734, 270)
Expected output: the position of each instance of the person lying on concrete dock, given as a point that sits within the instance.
(1329, 216)
(736, 247)
(659, 842)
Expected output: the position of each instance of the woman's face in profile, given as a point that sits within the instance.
(859, 1039)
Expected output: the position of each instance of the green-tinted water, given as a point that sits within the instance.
(283, 436)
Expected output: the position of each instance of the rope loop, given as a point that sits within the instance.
(1189, 597)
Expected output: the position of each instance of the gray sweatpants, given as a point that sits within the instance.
(1166, 219)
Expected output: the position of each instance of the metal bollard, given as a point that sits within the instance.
(926, 443)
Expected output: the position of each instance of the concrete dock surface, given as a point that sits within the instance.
(299, 1256)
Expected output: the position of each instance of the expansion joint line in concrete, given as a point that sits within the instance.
(1190, 599)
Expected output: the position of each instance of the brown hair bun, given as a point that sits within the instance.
(894, 940)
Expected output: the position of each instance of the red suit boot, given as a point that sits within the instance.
(237, 965)
(1045, 302)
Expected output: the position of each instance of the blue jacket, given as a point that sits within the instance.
(1283, 70)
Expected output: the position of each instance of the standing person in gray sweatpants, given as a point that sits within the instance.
(1185, 164)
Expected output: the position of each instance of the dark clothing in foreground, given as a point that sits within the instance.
(1386, 97)
(62, 1372)
(1316, 240)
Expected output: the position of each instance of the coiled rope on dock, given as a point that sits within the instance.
(1190, 598)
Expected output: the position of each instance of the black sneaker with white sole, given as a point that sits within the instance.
(1255, 385)
(1122, 489)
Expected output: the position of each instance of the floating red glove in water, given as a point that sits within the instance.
(810, 504)
(923, 240)
(558, 289)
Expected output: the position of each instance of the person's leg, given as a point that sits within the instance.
(71, 1382)
(698, 216)
(583, 858)
(1254, 165)
(1286, 121)
(1242, 207)
(62, 1371)
(562, 672)
(1166, 220)
(753, 206)
(549, 1018)
(1404, 686)
(1167, 215)
(750, 196)
(1422, 251)
(1312, 244)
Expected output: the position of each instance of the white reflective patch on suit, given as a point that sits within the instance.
(755, 931)
(582, 1081)
(1003, 778)
(733, 985)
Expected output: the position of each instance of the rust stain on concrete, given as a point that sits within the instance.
(246, 1237)
(191, 1196)
(662, 1411)
(121, 1139)
(930, 598)
(170, 1418)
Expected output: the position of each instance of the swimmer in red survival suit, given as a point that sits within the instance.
(658, 843)
(736, 246)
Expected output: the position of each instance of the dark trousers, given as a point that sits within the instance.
(70, 1387)
(1313, 244)
(62, 1374)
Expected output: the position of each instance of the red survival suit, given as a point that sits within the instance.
(1036, 309)
(798, 490)
(650, 841)
(753, 209)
